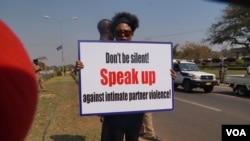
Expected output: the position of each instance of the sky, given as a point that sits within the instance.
(176, 21)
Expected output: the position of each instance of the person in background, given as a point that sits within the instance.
(40, 81)
(103, 27)
(147, 129)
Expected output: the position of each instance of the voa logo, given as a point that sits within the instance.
(236, 132)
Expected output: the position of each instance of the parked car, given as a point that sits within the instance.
(239, 83)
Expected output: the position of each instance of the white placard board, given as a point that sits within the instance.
(125, 77)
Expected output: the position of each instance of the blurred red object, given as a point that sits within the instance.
(18, 88)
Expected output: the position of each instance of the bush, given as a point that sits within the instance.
(238, 62)
(236, 68)
(216, 60)
(59, 73)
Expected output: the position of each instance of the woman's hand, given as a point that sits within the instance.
(79, 65)
(173, 74)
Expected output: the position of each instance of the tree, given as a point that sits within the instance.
(224, 52)
(175, 50)
(215, 54)
(233, 27)
(194, 51)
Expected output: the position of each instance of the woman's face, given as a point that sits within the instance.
(123, 32)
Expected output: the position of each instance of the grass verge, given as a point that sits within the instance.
(57, 117)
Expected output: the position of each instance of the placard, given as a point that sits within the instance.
(122, 77)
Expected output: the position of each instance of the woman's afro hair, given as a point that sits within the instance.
(125, 17)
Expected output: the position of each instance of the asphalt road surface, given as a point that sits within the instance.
(199, 116)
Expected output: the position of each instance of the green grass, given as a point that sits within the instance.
(57, 117)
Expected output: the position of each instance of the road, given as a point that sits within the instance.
(198, 116)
